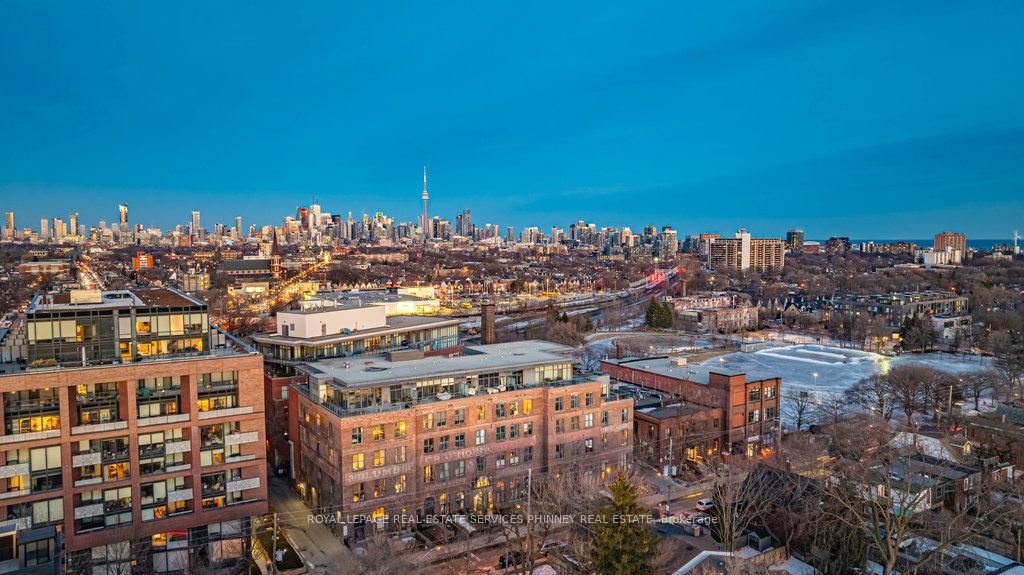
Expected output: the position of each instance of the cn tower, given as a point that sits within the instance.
(426, 220)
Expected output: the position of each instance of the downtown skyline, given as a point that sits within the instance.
(761, 115)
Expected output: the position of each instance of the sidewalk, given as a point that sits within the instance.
(317, 545)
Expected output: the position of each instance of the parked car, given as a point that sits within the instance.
(550, 546)
(705, 505)
(510, 559)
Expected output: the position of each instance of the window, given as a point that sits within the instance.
(769, 414)
(460, 468)
(513, 409)
(754, 395)
(527, 406)
(481, 436)
(378, 432)
(513, 457)
(499, 461)
(460, 416)
(559, 403)
(769, 392)
(460, 440)
(625, 437)
(624, 413)
(560, 451)
(589, 445)
(400, 454)
(588, 420)
(440, 419)
(357, 435)
(481, 413)
(589, 400)
(400, 429)
(378, 458)
(604, 419)
(428, 445)
(528, 454)
(481, 464)
(428, 474)
(357, 462)
(754, 416)
(574, 422)
(443, 444)
(400, 484)
(513, 432)
(499, 433)
(428, 421)
(574, 401)
(559, 425)
(528, 429)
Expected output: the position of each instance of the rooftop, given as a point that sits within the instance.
(373, 371)
(86, 300)
(695, 372)
(395, 323)
(332, 301)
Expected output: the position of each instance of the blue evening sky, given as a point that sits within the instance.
(867, 119)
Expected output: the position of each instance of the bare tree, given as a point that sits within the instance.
(872, 394)
(738, 503)
(381, 556)
(830, 409)
(798, 406)
(882, 498)
(909, 385)
(975, 384)
(588, 357)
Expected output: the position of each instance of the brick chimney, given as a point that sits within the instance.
(487, 332)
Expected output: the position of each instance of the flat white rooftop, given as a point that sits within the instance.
(366, 371)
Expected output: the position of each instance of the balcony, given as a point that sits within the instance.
(98, 427)
(149, 394)
(50, 405)
(226, 412)
(98, 398)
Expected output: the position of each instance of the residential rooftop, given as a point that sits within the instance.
(396, 323)
(371, 371)
(695, 372)
(90, 300)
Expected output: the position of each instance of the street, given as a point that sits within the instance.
(318, 546)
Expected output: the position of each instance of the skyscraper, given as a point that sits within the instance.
(9, 229)
(426, 218)
(194, 227)
(44, 229)
(795, 240)
(952, 240)
(122, 216)
(73, 223)
(238, 226)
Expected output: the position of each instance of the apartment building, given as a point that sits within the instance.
(897, 306)
(743, 252)
(379, 441)
(342, 325)
(747, 404)
(133, 436)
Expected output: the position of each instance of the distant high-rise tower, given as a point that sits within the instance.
(426, 218)
(122, 216)
(73, 223)
(194, 226)
(275, 257)
(9, 229)
(238, 226)
(795, 240)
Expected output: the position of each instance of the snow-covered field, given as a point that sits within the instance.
(822, 369)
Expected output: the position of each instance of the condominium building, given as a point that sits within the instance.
(133, 436)
(951, 240)
(340, 325)
(745, 253)
(379, 440)
(894, 307)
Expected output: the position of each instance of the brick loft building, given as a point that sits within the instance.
(335, 328)
(133, 436)
(711, 409)
(380, 439)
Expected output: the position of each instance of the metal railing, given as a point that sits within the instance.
(347, 411)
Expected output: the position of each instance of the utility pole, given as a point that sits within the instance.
(273, 545)
(668, 475)
(529, 491)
